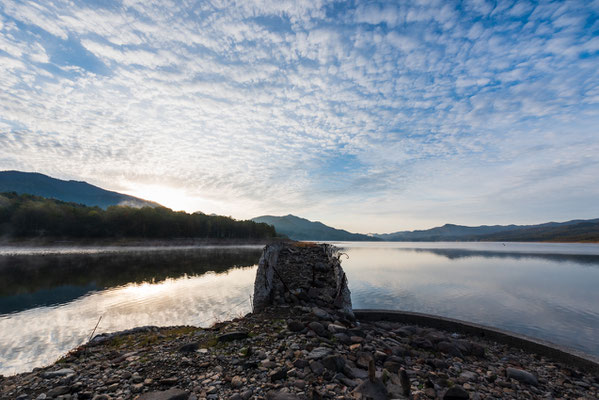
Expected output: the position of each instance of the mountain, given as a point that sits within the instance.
(445, 232)
(302, 229)
(71, 191)
(570, 231)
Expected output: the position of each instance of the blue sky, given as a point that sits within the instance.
(373, 117)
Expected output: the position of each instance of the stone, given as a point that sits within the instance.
(171, 394)
(60, 372)
(468, 376)
(320, 313)
(231, 336)
(300, 363)
(350, 383)
(278, 374)
(356, 339)
(137, 387)
(57, 391)
(521, 376)
(456, 393)
(272, 395)
(317, 367)
(335, 328)
(449, 348)
(375, 390)
(189, 348)
(295, 326)
(317, 328)
(334, 363)
(236, 382)
(355, 373)
(363, 359)
(343, 338)
(319, 352)
(392, 366)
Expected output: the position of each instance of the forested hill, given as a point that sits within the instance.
(74, 191)
(302, 229)
(29, 216)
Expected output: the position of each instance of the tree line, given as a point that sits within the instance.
(26, 216)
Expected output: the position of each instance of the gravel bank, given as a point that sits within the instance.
(299, 353)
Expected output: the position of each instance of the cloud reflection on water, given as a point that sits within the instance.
(39, 336)
(543, 290)
(544, 295)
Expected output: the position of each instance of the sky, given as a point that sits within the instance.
(372, 117)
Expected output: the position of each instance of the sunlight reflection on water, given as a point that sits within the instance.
(39, 336)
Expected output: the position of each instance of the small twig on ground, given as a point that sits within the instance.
(94, 331)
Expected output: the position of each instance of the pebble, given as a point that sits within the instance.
(522, 376)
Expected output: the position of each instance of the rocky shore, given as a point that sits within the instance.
(302, 342)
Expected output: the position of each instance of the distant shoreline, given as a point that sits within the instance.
(134, 242)
(141, 242)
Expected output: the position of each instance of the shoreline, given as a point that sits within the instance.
(141, 242)
(301, 353)
(132, 242)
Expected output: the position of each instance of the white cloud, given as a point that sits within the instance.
(305, 107)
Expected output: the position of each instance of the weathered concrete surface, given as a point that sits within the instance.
(301, 273)
(584, 362)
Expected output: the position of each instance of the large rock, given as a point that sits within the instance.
(294, 273)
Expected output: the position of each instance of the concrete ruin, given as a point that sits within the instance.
(301, 274)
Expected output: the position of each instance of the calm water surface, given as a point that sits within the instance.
(50, 300)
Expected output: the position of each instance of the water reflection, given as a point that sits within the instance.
(550, 296)
(32, 280)
(453, 254)
(51, 300)
(191, 287)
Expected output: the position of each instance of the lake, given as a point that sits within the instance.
(51, 299)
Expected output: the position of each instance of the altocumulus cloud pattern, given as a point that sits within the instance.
(391, 113)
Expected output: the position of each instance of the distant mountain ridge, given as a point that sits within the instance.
(578, 230)
(70, 191)
(574, 230)
(297, 228)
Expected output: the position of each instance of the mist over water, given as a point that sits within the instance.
(51, 300)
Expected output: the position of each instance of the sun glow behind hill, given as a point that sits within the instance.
(177, 199)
